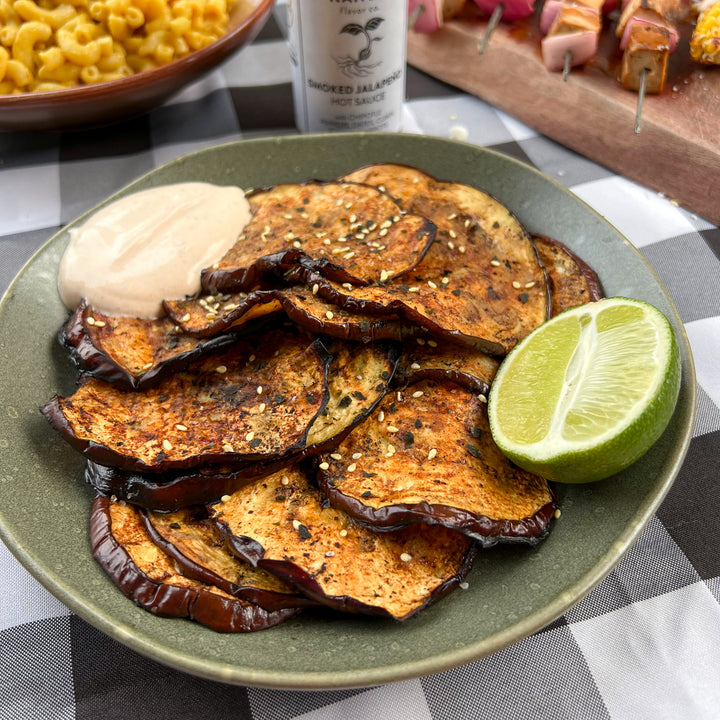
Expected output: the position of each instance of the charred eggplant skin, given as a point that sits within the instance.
(214, 611)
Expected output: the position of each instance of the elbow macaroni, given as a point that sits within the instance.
(53, 44)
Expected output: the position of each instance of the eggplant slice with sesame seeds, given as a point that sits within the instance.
(571, 280)
(481, 282)
(282, 524)
(148, 576)
(347, 231)
(133, 353)
(426, 359)
(255, 401)
(195, 543)
(358, 377)
(300, 305)
(427, 454)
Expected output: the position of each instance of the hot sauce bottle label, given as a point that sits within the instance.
(348, 63)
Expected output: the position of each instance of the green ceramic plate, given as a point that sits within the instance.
(512, 591)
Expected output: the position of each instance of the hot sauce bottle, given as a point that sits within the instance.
(348, 63)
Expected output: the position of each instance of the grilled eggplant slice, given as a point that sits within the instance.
(133, 353)
(348, 232)
(146, 575)
(426, 359)
(427, 454)
(253, 402)
(481, 281)
(358, 378)
(194, 542)
(282, 524)
(571, 281)
(300, 305)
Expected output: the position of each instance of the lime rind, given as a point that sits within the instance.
(620, 368)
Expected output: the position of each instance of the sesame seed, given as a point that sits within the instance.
(406, 557)
(329, 315)
(285, 480)
(297, 244)
(185, 317)
(445, 280)
(482, 398)
(259, 390)
(99, 323)
(464, 585)
(326, 241)
(461, 249)
(528, 285)
(315, 289)
(451, 245)
(495, 263)
(147, 366)
(418, 393)
(452, 234)
(167, 445)
(432, 285)
(432, 343)
(516, 285)
(249, 436)
(324, 465)
(347, 286)
(383, 232)
(432, 453)
(356, 456)
(390, 449)
(349, 255)
(251, 358)
(353, 218)
(336, 456)
(330, 553)
(558, 514)
(384, 275)
(90, 321)
(261, 407)
(399, 396)
(343, 533)
(420, 341)
(221, 369)
(381, 416)
(227, 447)
(452, 216)
(415, 366)
(296, 524)
(225, 498)
(386, 224)
(352, 467)
(414, 288)
(392, 429)
(180, 427)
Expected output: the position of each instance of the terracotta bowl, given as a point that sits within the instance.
(105, 102)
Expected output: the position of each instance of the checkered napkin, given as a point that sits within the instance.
(645, 643)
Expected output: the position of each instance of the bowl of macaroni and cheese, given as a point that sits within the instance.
(68, 65)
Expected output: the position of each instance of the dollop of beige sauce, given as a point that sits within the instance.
(150, 246)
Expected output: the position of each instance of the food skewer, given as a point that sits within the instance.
(571, 31)
(505, 10)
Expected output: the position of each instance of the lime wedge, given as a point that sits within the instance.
(588, 392)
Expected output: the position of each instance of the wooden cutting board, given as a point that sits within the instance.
(676, 152)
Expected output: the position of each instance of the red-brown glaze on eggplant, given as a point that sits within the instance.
(186, 599)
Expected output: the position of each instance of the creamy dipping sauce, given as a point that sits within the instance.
(150, 246)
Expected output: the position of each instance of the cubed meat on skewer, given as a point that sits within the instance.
(646, 53)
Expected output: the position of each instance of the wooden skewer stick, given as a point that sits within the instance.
(641, 97)
(567, 64)
(414, 15)
(492, 24)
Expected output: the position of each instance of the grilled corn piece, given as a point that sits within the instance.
(705, 40)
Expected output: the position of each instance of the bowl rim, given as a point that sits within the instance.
(191, 64)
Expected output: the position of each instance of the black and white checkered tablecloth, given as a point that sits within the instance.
(645, 643)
